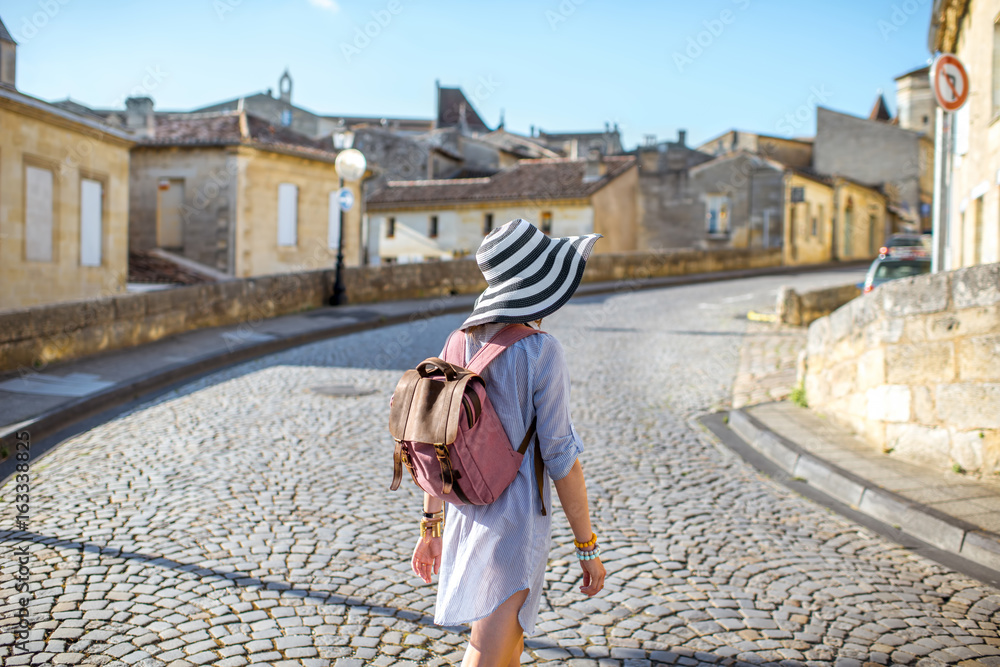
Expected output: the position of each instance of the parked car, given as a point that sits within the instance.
(906, 241)
(897, 262)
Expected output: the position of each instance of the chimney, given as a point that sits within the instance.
(532, 131)
(681, 137)
(139, 116)
(594, 169)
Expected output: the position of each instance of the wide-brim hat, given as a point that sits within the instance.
(530, 275)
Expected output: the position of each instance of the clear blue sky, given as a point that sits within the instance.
(560, 65)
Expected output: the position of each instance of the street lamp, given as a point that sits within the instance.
(351, 166)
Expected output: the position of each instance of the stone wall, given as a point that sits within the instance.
(914, 366)
(802, 309)
(35, 337)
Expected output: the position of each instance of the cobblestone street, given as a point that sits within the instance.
(246, 519)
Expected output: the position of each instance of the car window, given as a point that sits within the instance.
(893, 270)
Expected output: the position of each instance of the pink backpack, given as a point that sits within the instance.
(447, 433)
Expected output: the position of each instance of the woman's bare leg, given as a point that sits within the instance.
(497, 640)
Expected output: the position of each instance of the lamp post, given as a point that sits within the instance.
(350, 166)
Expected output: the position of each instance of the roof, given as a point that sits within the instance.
(920, 71)
(450, 101)
(517, 144)
(737, 154)
(64, 116)
(811, 175)
(880, 110)
(543, 179)
(225, 128)
(4, 35)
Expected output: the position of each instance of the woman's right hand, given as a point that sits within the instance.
(427, 557)
(593, 576)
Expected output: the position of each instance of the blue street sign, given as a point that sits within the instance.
(345, 198)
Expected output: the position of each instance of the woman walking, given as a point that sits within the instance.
(492, 558)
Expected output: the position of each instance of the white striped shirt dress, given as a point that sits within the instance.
(492, 551)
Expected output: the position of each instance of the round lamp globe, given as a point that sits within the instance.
(351, 164)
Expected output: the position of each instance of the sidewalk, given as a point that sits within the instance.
(953, 512)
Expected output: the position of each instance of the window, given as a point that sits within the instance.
(717, 214)
(547, 222)
(38, 215)
(286, 117)
(819, 229)
(170, 213)
(390, 228)
(487, 224)
(977, 231)
(996, 69)
(288, 214)
(432, 227)
(91, 195)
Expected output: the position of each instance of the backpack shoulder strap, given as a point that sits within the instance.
(496, 345)
(454, 348)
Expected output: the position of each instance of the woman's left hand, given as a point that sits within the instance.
(426, 557)
(593, 576)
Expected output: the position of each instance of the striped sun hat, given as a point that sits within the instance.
(530, 275)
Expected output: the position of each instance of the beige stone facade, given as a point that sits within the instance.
(210, 187)
(808, 231)
(63, 205)
(914, 366)
(440, 220)
(859, 224)
(969, 30)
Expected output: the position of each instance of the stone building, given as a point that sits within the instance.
(831, 218)
(740, 196)
(64, 191)
(877, 154)
(579, 144)
(234, 192)
(969, 30)
(797, 153)
(915, 102)
(444, 219)
(671, 213)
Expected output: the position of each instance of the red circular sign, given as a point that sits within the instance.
(950, 82)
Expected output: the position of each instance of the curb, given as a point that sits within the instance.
(924, 523)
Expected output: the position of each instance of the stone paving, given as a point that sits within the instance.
(244, 519)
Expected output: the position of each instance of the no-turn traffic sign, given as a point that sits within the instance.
(950, 82)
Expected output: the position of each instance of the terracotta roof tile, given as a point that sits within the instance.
(223, 128)
(545, 179)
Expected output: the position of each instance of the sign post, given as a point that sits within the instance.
(950, 83)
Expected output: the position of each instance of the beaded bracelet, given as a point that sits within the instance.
(589, 543)
(589, 555)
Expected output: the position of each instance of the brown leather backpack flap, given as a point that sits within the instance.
(427, 409)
